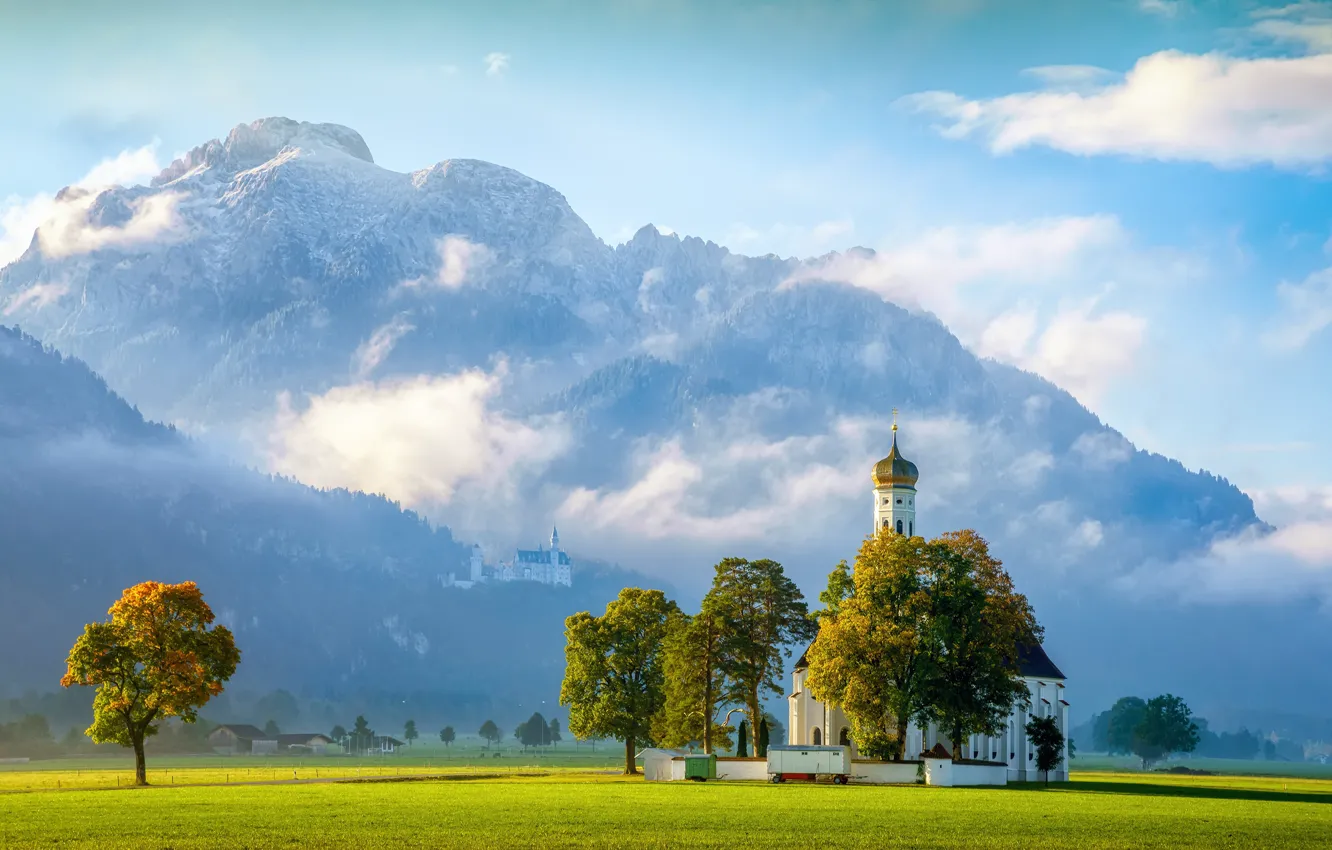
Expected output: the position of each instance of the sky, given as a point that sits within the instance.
(1130, 197)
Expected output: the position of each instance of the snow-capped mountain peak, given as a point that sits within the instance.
(250, 145)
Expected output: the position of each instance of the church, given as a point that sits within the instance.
(810, 722)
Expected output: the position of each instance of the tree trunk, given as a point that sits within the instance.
(140, 766)
(630, 768)
(901, 739)
(754, 709)
(957, 744)
(707, 713)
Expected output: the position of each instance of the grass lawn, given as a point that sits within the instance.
(579, 809)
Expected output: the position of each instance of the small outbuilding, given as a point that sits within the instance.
(241, 738)
(657, 763)
(303, 742)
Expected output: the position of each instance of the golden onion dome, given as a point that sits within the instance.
(895, 470)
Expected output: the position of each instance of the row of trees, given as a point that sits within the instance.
(646, 671)
(924, 631)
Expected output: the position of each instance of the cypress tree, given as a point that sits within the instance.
(742, 746)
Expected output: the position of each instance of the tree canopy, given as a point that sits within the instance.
(1044, 734)
(920, 631)
(614, 677)
(694, 681)
(1166, 727)
(761, 613)
(409, 732)
(490, 733)
(447, 735)
(979, 625)
(871, 656)
(158, 656)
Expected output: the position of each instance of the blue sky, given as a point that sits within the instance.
(1127, 236)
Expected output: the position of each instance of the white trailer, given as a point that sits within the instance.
(808, 763)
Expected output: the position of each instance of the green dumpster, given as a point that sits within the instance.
(700, 767)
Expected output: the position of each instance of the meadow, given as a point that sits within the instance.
(554, 805)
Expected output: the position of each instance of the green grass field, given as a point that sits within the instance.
(566, 806)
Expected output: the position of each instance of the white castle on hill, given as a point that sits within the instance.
(546, 566)
(811, 722)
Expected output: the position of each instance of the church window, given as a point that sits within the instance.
(899, 501)
(816, 736)
(899, 526)
(845, 737)
(885, 523)
(911, 529)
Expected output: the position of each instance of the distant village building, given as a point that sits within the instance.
(811, 722)
(545, 566)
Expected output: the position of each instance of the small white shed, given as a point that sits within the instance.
(657, 763)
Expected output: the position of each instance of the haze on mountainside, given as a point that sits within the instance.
(459, 339)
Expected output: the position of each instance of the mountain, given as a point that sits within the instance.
(331, 594)
(671, 400)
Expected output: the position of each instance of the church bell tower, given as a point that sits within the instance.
(895, 491)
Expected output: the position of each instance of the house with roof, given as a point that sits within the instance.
(812, 723)
(241, 738)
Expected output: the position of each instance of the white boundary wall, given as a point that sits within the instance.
(884, 772)
(738, 768)
(944, 772)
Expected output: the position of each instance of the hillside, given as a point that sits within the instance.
(329, 593)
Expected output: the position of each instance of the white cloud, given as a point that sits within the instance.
(928, 270)
(1306, 310)
(1102, 449)
(1293, 562)
(496, 64)
(37, 296)
(1225, 110)
(1084, 352)
(1164, 8)
(373, 351)
(152, 219)
(423, 440)
(970, 277)
(66, 217)
(461, 261)
(1294, 504)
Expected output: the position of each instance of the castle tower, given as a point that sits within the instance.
(477, 564)
(895, 491)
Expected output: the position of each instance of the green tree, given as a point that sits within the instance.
(1122, 725)
(776, 730)
(490, 733)
(1044, 734)
(762, 751)
(742, 741)
(156, 657)
(1166, 727)
(361, 734)
(694, 681)
(279, 705)
(447, 735)
(271, 729)
(873, 651)
(338, 734)
(553, 731)
(762, 613)
(841, 587)
(978, 625)
(614, 675)
(409, 732)
(535, 732)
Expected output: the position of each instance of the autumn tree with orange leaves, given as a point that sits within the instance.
(157, 657)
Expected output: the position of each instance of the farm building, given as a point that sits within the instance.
(303, 742)
(238, 738)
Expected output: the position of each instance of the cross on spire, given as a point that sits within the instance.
(894, 420)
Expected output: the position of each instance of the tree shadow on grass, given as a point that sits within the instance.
(1151, 789)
